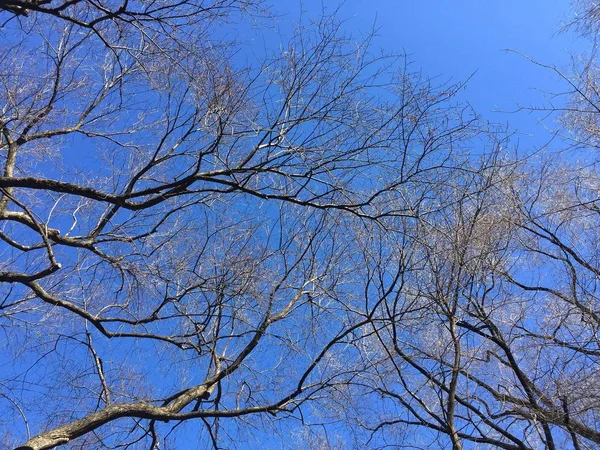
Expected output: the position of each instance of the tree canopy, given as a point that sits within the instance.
(204, 245)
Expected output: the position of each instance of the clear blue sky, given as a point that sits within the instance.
(451, 40)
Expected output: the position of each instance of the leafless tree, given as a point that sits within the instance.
(487, 332)
(489, 339)
(186, 231)
(208, 243)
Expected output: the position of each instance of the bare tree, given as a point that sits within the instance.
(487, 333)
(201, 244)
(489, 339)
(182, 229)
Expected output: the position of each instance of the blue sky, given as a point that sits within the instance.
(452, 40)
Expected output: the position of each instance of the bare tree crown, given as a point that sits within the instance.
(201, 246)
